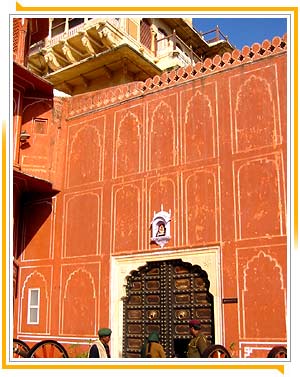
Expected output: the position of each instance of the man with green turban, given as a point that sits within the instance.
(152, 347)
(100, 348)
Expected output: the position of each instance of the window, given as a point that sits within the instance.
(58, 26)
(33, 306)
(145, 33)
(40, 126)
(75, 22)
(162, 41)
(132, 28)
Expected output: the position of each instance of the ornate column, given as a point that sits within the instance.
(66, 26)
(48, 39)
(153, 39)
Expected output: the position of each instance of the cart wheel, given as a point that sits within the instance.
(216, 351)
(48, 349)
(20, 348)
(279, 352)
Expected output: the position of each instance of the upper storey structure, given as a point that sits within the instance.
(85, 54)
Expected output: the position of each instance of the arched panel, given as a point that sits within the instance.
(79, 304)
(264, 299)
(128, 146)
(40, 282)
(260, 206)
(199, 128)
(127, 216)
(201, 207)
(39, 108)
(82, 225)
(162, 193)
(259, 129)
(162, 137)
(85, 160)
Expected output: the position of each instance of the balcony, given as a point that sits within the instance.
(172, 51)
(96, 53)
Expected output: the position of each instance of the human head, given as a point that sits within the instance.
(195, 325)
(104, 334)
(161, 228)
(153, 337)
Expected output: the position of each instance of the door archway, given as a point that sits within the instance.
(163, 296)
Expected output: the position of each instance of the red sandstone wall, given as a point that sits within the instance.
(209, 144)
(38, 155)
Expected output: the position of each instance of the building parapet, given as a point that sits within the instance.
(82, 104)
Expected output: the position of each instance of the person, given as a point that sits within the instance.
(199, 342)
(100, 347)
(152, 347)
(161, 230)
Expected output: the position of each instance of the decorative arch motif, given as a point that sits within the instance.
(162, 191)
(74, 274)
(256, 261)
(79, 304)
(201, 207)
(260, 204)
(259, 129)
(263, 298)
(36, 280)
(46, 103)
(82, 237)
(162, 137)
(85, 157)
(199, 137)
(31, 276)
(126, 230)
(128, 145)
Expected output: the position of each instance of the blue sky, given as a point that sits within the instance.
(244, 31)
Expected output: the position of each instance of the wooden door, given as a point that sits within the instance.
(163, 296)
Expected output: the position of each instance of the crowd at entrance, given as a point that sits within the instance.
(152, 347)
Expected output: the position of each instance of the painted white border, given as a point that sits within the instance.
(121, 267)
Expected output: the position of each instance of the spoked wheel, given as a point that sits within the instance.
(21, 349)
(278, 352)
(216, 351)
(48, 349)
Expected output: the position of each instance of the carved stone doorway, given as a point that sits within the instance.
(163, 296)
